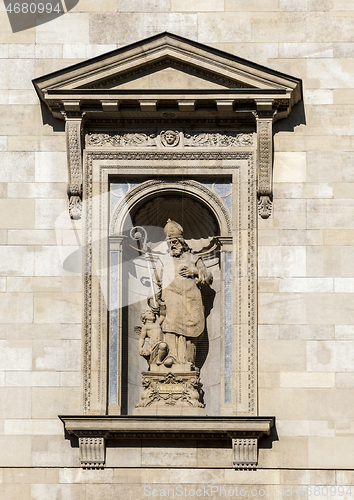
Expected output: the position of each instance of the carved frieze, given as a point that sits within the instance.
(170, 139)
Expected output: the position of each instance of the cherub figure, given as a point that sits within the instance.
(156, 349)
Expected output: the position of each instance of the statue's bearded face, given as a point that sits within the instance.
(176, 247)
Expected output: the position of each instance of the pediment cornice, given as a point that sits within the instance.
(118, 82)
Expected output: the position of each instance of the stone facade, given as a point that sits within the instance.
(305, 276)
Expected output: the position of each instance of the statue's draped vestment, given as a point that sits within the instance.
(182, 297)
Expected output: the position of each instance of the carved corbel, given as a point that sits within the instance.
(245, 450)
(73, 129)
(92, 452)
(264, 116)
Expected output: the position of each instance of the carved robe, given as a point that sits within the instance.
(182, 297)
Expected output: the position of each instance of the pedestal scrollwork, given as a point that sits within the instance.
(73, 129)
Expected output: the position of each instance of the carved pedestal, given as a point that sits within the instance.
(172, 393)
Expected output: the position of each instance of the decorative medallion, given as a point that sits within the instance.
(170, 138)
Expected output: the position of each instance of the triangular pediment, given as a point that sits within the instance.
(193, 63)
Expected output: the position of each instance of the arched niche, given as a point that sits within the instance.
(205, 219)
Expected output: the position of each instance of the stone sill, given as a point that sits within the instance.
(93, 432)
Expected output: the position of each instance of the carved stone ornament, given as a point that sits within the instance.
(245, 452)
(264, 206)
(94, 432)
(92, 452)
(169, 138)
(73, 130)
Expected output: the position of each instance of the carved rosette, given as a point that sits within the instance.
(264, 116)
(73, 129)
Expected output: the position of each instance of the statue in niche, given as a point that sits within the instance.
(174, 323)
(184, 318)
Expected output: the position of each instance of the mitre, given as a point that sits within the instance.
(173, 229)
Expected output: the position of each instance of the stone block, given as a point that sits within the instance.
(47, 211)
(85, 476)
(14, 356)
(54, 451)
(15, 491)
(16, 308)
(280, 456)
(344, 380)
(46, 491)
(300, 237)
(30, 475)
(48, 403)
(16, 214)
(305, 50)
(289, 214)
(257, 52)
(344, 285)
(119, 28)
(22, 97)
(16, 120)
(281, 309)
(124, 454)
(70, 379)
(329, 309)
(282, 355)
(197, 6)
(295, 379)
(73, 28)
(15, 451)
(183, 454)
(344, 332)
(283, 262)
(17, 74)
(302, 190)
(289, 167)
(51, 167)
(306, 332)
(48, 51)
(92, 6)
(48, 261)
(31, 237)
(36, 142)
(57, 308)
(16, 167)
(31, 379)
(318, 96)
(221, 27)
(329, 261)
(330, 356)
(33, 284)
(146, 6)
(286, 403)
(64, 355)
(34, 427)
(330, 452)
(330, 214)
(15, 402)
(306, 477)
(306, 285)
(16, 261)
